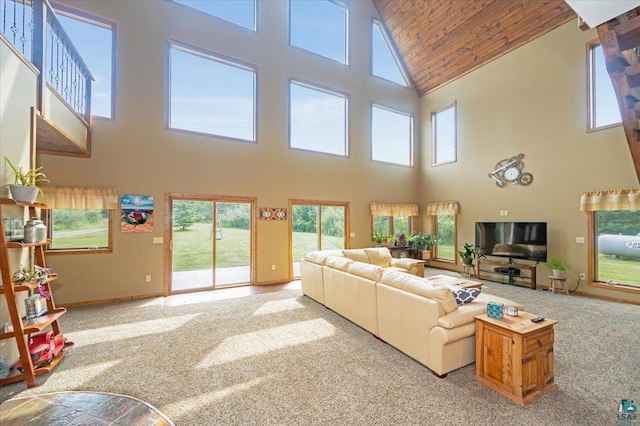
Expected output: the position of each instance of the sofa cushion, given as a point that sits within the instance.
(320, 256)
(465, 295)
(358, 255)
(421, 287)
(366, 270)
(380, 256)
(340, 263)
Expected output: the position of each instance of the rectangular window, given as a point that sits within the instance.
(444, 226)
(239, 12)
(317, 119)
(321, 27)
(95, 41)
(603, 104)
(617, 243)
(444, 138)
(389, 226)
(391, 136)
(210, 94)
(385, 63)
(80, 230)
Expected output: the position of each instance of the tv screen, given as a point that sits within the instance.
(517, 240)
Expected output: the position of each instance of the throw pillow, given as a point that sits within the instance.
(465, 295)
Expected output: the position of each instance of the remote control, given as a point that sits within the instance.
(537, 319)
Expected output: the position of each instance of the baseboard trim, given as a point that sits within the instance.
(115, 299)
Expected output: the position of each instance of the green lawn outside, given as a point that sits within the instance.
(620, 270)
(98, 238)
(304, 242)
(446, 252)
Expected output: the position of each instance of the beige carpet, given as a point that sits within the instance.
(281, 358)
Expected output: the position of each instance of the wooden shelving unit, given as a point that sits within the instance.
(21, 328)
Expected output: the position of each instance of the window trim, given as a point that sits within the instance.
(434, 141)
(101, 250)
(347, 52)
(330, 91)
(411, 135)
(81, 15)
(256, 25)
(394, 54)
(591, 96)
(591, 263)
(217, 57)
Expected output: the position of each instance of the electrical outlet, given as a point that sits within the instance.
(273, 267)
(582, 276)
(148, 278)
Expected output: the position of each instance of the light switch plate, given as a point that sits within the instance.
(158, 240)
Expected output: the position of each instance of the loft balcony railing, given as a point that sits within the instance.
(32, 27)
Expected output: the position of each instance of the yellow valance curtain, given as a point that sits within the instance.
(386, 209)
(443, 208)
(615, 199)
(68, 197)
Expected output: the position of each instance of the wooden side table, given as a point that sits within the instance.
(514, 356)
(553, 281)
(467, 269)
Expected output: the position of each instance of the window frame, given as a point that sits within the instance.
(89, 250)
(434, 130)
(592, 253)
(591, 94)
(394, 54)
(347, 52)
(216, 57)
(411, 134)
(99, 21)
(255, 29)
(434, 228)
(326, 90)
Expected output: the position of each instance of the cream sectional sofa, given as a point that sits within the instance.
(413, 314)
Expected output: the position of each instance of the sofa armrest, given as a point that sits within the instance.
(405, 263)
(464, 315)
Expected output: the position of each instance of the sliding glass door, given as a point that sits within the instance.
(316, 225)
(211, 243)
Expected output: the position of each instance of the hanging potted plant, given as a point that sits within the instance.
(468, 253)
(25, 187)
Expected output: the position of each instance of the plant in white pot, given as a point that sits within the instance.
(558, 267)
(25, 187)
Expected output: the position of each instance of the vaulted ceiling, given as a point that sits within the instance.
(441, 40)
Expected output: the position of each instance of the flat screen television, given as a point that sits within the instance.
(517, 240)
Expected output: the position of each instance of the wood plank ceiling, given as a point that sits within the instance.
(441, 40)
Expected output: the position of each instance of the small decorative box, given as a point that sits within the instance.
(35, 306)
(494, 310)
(511, 310)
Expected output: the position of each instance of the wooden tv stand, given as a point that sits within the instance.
(519, 266)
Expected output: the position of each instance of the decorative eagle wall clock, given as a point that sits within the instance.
(510, 170)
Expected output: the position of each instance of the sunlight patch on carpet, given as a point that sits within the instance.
(84, 375)
(184, 405)
(111, 333)
(278, 306)
(258, 342)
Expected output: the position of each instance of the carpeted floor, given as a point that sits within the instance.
(281, 358)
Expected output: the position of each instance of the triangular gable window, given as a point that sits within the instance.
(384, 61)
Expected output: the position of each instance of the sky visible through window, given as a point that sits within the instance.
(221, 103)
(239, 12)
(444, 123)
(318, 120)
(606, 105)
(383, 60)
(94, 43)
(390, 136)
(319, 27)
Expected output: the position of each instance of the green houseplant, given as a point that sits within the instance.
(422, 243)
(468, 253)
(558, 267)
(25, 187)
(377, 238)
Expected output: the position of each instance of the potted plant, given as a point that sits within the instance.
(377, 238)
(38, 275)
(401, 240)
(422, 243)
(558, 267)
(468, 253)
(25, 187)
